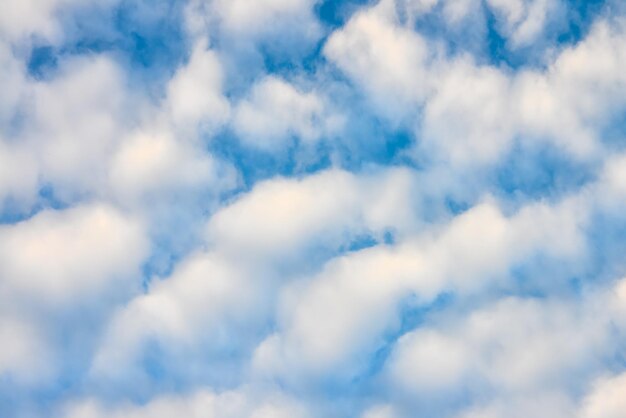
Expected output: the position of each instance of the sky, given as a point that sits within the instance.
(313, 208)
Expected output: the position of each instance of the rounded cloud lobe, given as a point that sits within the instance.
(294, 208)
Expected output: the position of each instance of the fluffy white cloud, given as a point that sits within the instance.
(194, 94)
(387, 60)
(473, 113)
(380, 411)
(57, 256)
(278, 21)
(253, 16)
(216, 294)
(160, 272)
(332, 320)
(148, 164)
(20, 19)
(469, 119)
(18, 174)
(76, 123)
(56, 263)
(283, 216)
(201, 404)
(205, 299)
(276, 111)
(523, 21)
(606, 399)
(543, 404)
(24, 354)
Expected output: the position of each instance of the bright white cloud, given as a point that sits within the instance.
(194, 94)
(398, 225)
(386, 60)
(201, 404)
(148, 164)
(24, 354)
(606, 399)
(58, 256)
(338, 317)
(19, 19)
(285, 215)
(276, 111)
(214, 293)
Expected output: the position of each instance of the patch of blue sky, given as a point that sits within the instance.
(606, 238)
(14, 211)
(580, 17)
(334, 13)
(539, 172)
(147, 37)
(414, 312)
(565, 26)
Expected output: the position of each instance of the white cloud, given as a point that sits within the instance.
(337, 318)
(468, 119)
(513, 346)
(542, 404)
(271, 286)
(283, 216)
(275, 111)
(228, 287)
(425, 362)
(12, 82)
(380, 411)
(606, 399)
(201, 404)
(472, 114)
(58, 256)
(205, 299)
(76, 121)
(22, 18)
(254, 16)
(24, 354)
(194, 94)
(18, 175)
(278, 21)
(150, 163)
(523, 21)
(386, 60)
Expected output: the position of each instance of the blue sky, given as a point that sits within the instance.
(309, 208)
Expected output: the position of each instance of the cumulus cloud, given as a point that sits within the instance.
(194, 93)
(59, 255)
(523, 21)
(297, 208)
(234, 404)
(276, 111)
(335, 318)
(387, 60)
(606, 398)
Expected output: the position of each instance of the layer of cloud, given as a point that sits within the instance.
(312, 209)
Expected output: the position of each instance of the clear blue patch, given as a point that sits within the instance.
(334, 13)
(147, 36)
(362, 242)
(43, 60)
(539, 172)
(255, 165)
(581, 15)
(413, 314)
(607, 246)
(14, 212)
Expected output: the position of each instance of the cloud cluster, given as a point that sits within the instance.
(312, 209)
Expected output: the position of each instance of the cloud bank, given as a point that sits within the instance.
(303, 209)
